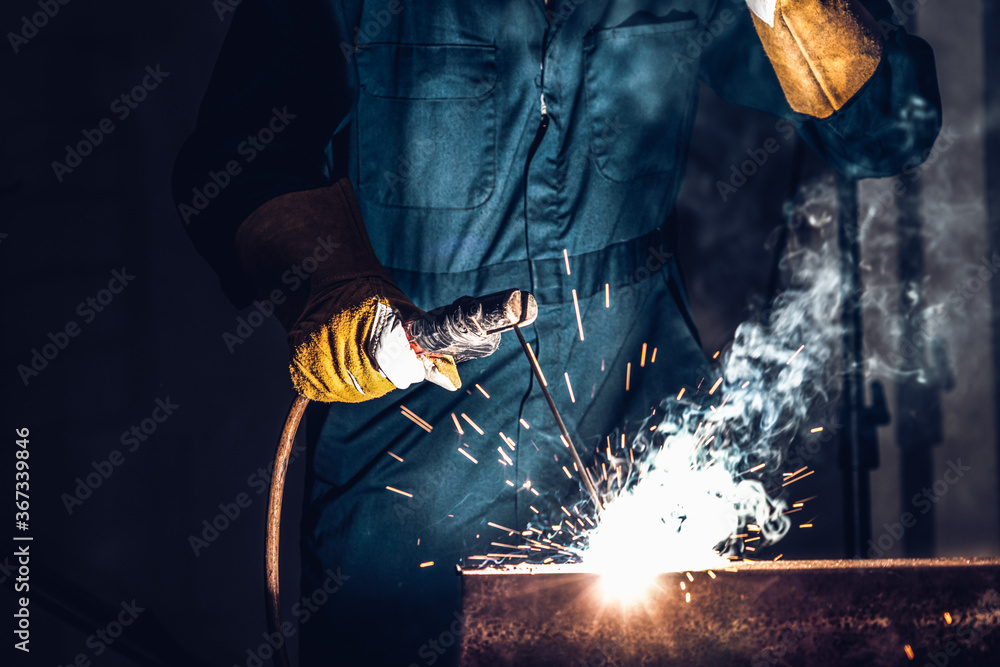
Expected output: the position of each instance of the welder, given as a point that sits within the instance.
(450, 148)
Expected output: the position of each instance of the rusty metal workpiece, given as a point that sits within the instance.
(762, 613)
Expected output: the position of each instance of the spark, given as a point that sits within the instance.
(908, 650)
(652, 359)
(427, 564)
(499, 527)
(395, 456)
(467, 455)
(458, 426)
(506, 555)
(794, 355)
(532, 489)
(572, 398)
(805, 525)
(778, 557)
(412, 416)
(745, 384)
(716, 355)
(754, 469)
(711, 574)
(715, 386)
(505, 457)
(402, 493)
(607, 295)
(681, 393)
(816, 430)
(947, 618)
(642, 358)
(473, 424)
(534, 362)
(579, 322)
(532, 508)
(508, 441)
(524, 423)
(795, 479)
(690, 578)
(509, 483)
(628, 374)
(482, 391)
(687, 597)
(566, 259)
(565, 511)
(567, 472)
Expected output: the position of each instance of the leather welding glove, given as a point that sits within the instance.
(823, 51)
(309, 253)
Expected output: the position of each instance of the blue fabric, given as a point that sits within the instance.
(433, 115)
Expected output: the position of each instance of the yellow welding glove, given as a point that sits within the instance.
(308, 253)
(823, 51)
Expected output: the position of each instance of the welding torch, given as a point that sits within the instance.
(466, 329)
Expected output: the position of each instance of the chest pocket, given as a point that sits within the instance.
(640, 89)
(426, 125)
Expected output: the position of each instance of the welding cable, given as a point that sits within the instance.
(273, 602)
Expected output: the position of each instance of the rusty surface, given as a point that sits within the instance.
(758, 614)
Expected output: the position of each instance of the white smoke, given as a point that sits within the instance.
(690, 495)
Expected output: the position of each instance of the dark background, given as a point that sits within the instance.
(162, 336)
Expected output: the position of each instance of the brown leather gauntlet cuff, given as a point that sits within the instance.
(823, 52)
(301, 243)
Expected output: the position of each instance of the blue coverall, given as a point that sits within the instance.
(434, 109)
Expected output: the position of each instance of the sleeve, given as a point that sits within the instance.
(278, 94)
(888, 125)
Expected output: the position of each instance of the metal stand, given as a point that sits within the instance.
(858, 421)
(991, 114)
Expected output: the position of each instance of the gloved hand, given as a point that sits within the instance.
(345, 323)
(823, 51)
